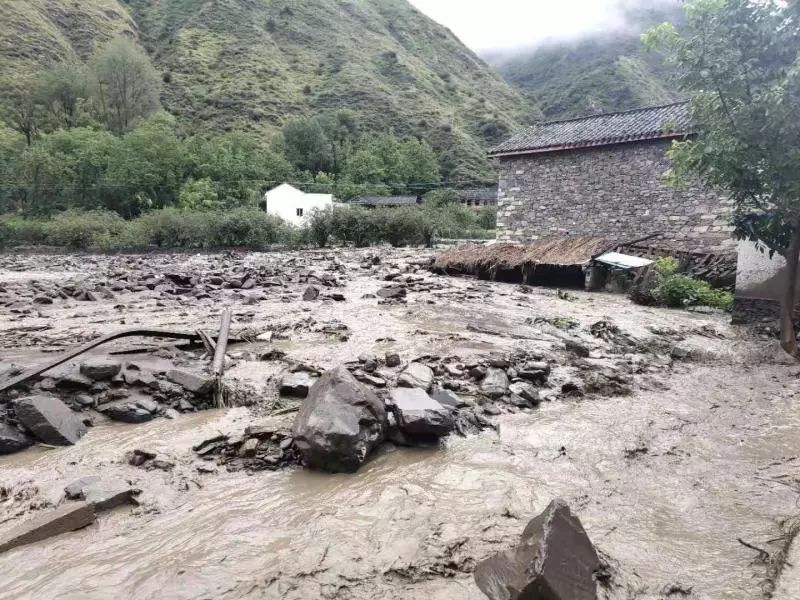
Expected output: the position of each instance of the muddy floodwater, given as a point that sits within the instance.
(668, 477)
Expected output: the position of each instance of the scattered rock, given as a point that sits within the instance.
(392, 292)
(495, 384)
(296, 385)
(525, 391)
(61, 520)
(392, 359)
(100, 369)
(50, 420)
(419, 414)
(416, 375)
(339, 423)
(555, 560)
(12, 439)
(126, 412)
(192, 382)
(446, 398)
(102, 494)
(311, 293)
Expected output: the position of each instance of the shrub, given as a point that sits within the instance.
(356, 225)
(319, 226)
(679, 291)
(18, 231)
(248, 227)
(83, 230)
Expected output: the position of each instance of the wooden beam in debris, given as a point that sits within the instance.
(218, 366)
(154, 333)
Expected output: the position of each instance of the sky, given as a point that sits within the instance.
(485, 25)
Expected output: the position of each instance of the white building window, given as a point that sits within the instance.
(299, 212)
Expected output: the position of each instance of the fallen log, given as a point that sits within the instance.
(155, 333)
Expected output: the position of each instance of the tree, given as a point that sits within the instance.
(128, 85)
(341, 128)
(61, 90)
(739, 60)
(19, 102)
(306, 146)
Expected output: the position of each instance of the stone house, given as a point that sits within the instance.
(603, 175)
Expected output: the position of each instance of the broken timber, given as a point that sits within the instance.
(156, 333)
(218, 366)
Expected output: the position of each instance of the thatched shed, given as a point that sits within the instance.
(554, 261)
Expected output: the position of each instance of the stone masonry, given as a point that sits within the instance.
(614, 191)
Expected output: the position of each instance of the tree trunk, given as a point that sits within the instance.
(788, 337)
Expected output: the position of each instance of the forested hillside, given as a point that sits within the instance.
(601, 72)
(254, 65)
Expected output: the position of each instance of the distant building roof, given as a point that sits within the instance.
(657, 122)
(385, 200)
(478, 195)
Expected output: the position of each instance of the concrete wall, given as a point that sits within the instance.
(288, 202)
(613, 191)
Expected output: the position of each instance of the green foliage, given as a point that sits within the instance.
(128, 84)
(680, 291)
(740, 62)
(82, 230)
(199, 195)
(662, 284)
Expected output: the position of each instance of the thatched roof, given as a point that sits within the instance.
(561, 251)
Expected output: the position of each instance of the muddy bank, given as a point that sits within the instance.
(666, 472)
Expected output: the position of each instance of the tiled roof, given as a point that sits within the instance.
(384, 200)
(656, 122)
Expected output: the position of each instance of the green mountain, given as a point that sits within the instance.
(602, 72)
(255, 64)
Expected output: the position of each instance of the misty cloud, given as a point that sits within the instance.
(492, 26)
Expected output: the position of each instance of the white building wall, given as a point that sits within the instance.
(293, 205)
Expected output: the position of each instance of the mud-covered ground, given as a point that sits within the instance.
(675, 440)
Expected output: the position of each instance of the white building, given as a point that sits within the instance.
(293, 205)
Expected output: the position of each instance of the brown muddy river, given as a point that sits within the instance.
(665, 480)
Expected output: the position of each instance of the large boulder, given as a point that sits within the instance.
(12, 439)
(50, 420)
(554, 561)
(339, 423)
(195, 383)
(102, 494)
(416, 375)
(419, 414)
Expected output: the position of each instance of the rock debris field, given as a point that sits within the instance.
(382, 431)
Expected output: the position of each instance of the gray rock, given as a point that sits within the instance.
(126, 412)
(100, 369)
(392, 359)
(74, 381)
(44, 525)
(42, 300)
(74, 491)
(311, 293)
(12, 440)
(495, 384)
(50, 420)
(296, 385)
(339, 423)
(419, 414)
(147, 404)
(535, 372)
(392, 291)
(555, 560)
(192, 382)
(140, 378)
(416, 375)
(446, 398)
(525, 391)
(102, 494)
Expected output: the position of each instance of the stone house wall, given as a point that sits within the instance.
(615, 191)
